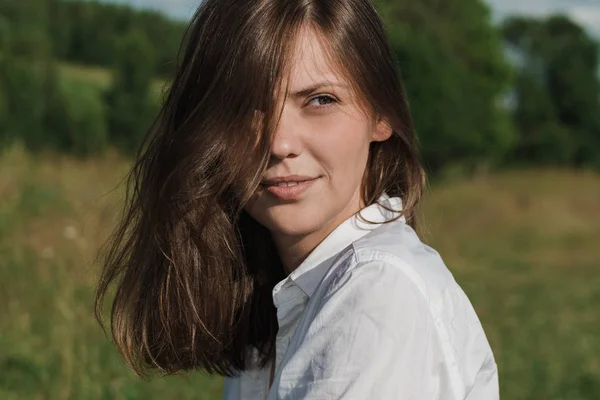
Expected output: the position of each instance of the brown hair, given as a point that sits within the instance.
(194, 272)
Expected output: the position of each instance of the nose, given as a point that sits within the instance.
(286, 140)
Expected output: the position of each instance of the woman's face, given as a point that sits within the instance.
(319, 151)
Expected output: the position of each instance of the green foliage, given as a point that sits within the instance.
(23, 84)
(131, 109)
(452, 60)
(89, 32)
(557, 91)
(542, 138)
(5, 140)
(455, 74)
(25, 68)
(26, 23)
(60, 24)
(44, 110)
(77, 117)
(47, 112)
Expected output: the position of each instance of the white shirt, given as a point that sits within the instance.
(373, 313)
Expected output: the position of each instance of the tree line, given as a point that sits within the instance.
(524, 92)
(47, 109)
(87, 32)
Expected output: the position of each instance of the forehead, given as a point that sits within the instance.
(313, 60)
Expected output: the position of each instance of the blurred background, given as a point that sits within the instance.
(506, 99)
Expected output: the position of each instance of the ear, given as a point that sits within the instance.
(382, 130)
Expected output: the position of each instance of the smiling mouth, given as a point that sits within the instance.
(283, 184)
(288, 189)
(284, 181)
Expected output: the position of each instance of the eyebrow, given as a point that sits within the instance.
(313, 88)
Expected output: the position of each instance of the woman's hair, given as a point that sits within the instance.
(194, 273)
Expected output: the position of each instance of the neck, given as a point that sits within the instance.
(294, 249)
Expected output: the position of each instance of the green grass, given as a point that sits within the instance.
(523, 245)
(52, 217)
(99, 76)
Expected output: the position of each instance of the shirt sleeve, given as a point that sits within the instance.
(374, 337)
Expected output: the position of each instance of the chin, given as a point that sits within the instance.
(292, 225)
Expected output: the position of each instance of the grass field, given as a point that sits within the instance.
(524, 245)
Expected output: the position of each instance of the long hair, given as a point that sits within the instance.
(194, 272)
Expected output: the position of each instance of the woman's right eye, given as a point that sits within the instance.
(323, 101)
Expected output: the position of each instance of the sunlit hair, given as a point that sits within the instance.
(193, 272)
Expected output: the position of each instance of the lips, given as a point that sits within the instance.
(285, 184)
(289, 180)
(289, 187)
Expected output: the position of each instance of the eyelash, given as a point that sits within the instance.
(321, 96)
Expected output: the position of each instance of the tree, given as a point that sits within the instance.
(557, 91)
(25, 62)
(131, 109)
(82, 119)
(60, 27)
(5, 138)
(455, 74)
(87, 32)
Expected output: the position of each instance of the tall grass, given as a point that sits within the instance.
(524, 245)
(54, 212)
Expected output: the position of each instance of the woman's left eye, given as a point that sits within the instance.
(323, 101)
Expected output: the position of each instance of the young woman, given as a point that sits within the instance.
(269, 231)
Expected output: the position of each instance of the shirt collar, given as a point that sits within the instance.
(310, 273)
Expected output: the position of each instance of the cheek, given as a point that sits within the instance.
(259, 209)
(344, 149)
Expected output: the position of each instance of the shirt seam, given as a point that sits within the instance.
(401, 265)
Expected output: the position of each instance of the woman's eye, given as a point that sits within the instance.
(322, 101)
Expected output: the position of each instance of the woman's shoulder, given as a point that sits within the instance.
(397, 246)
(413, 272)
(391, 266)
